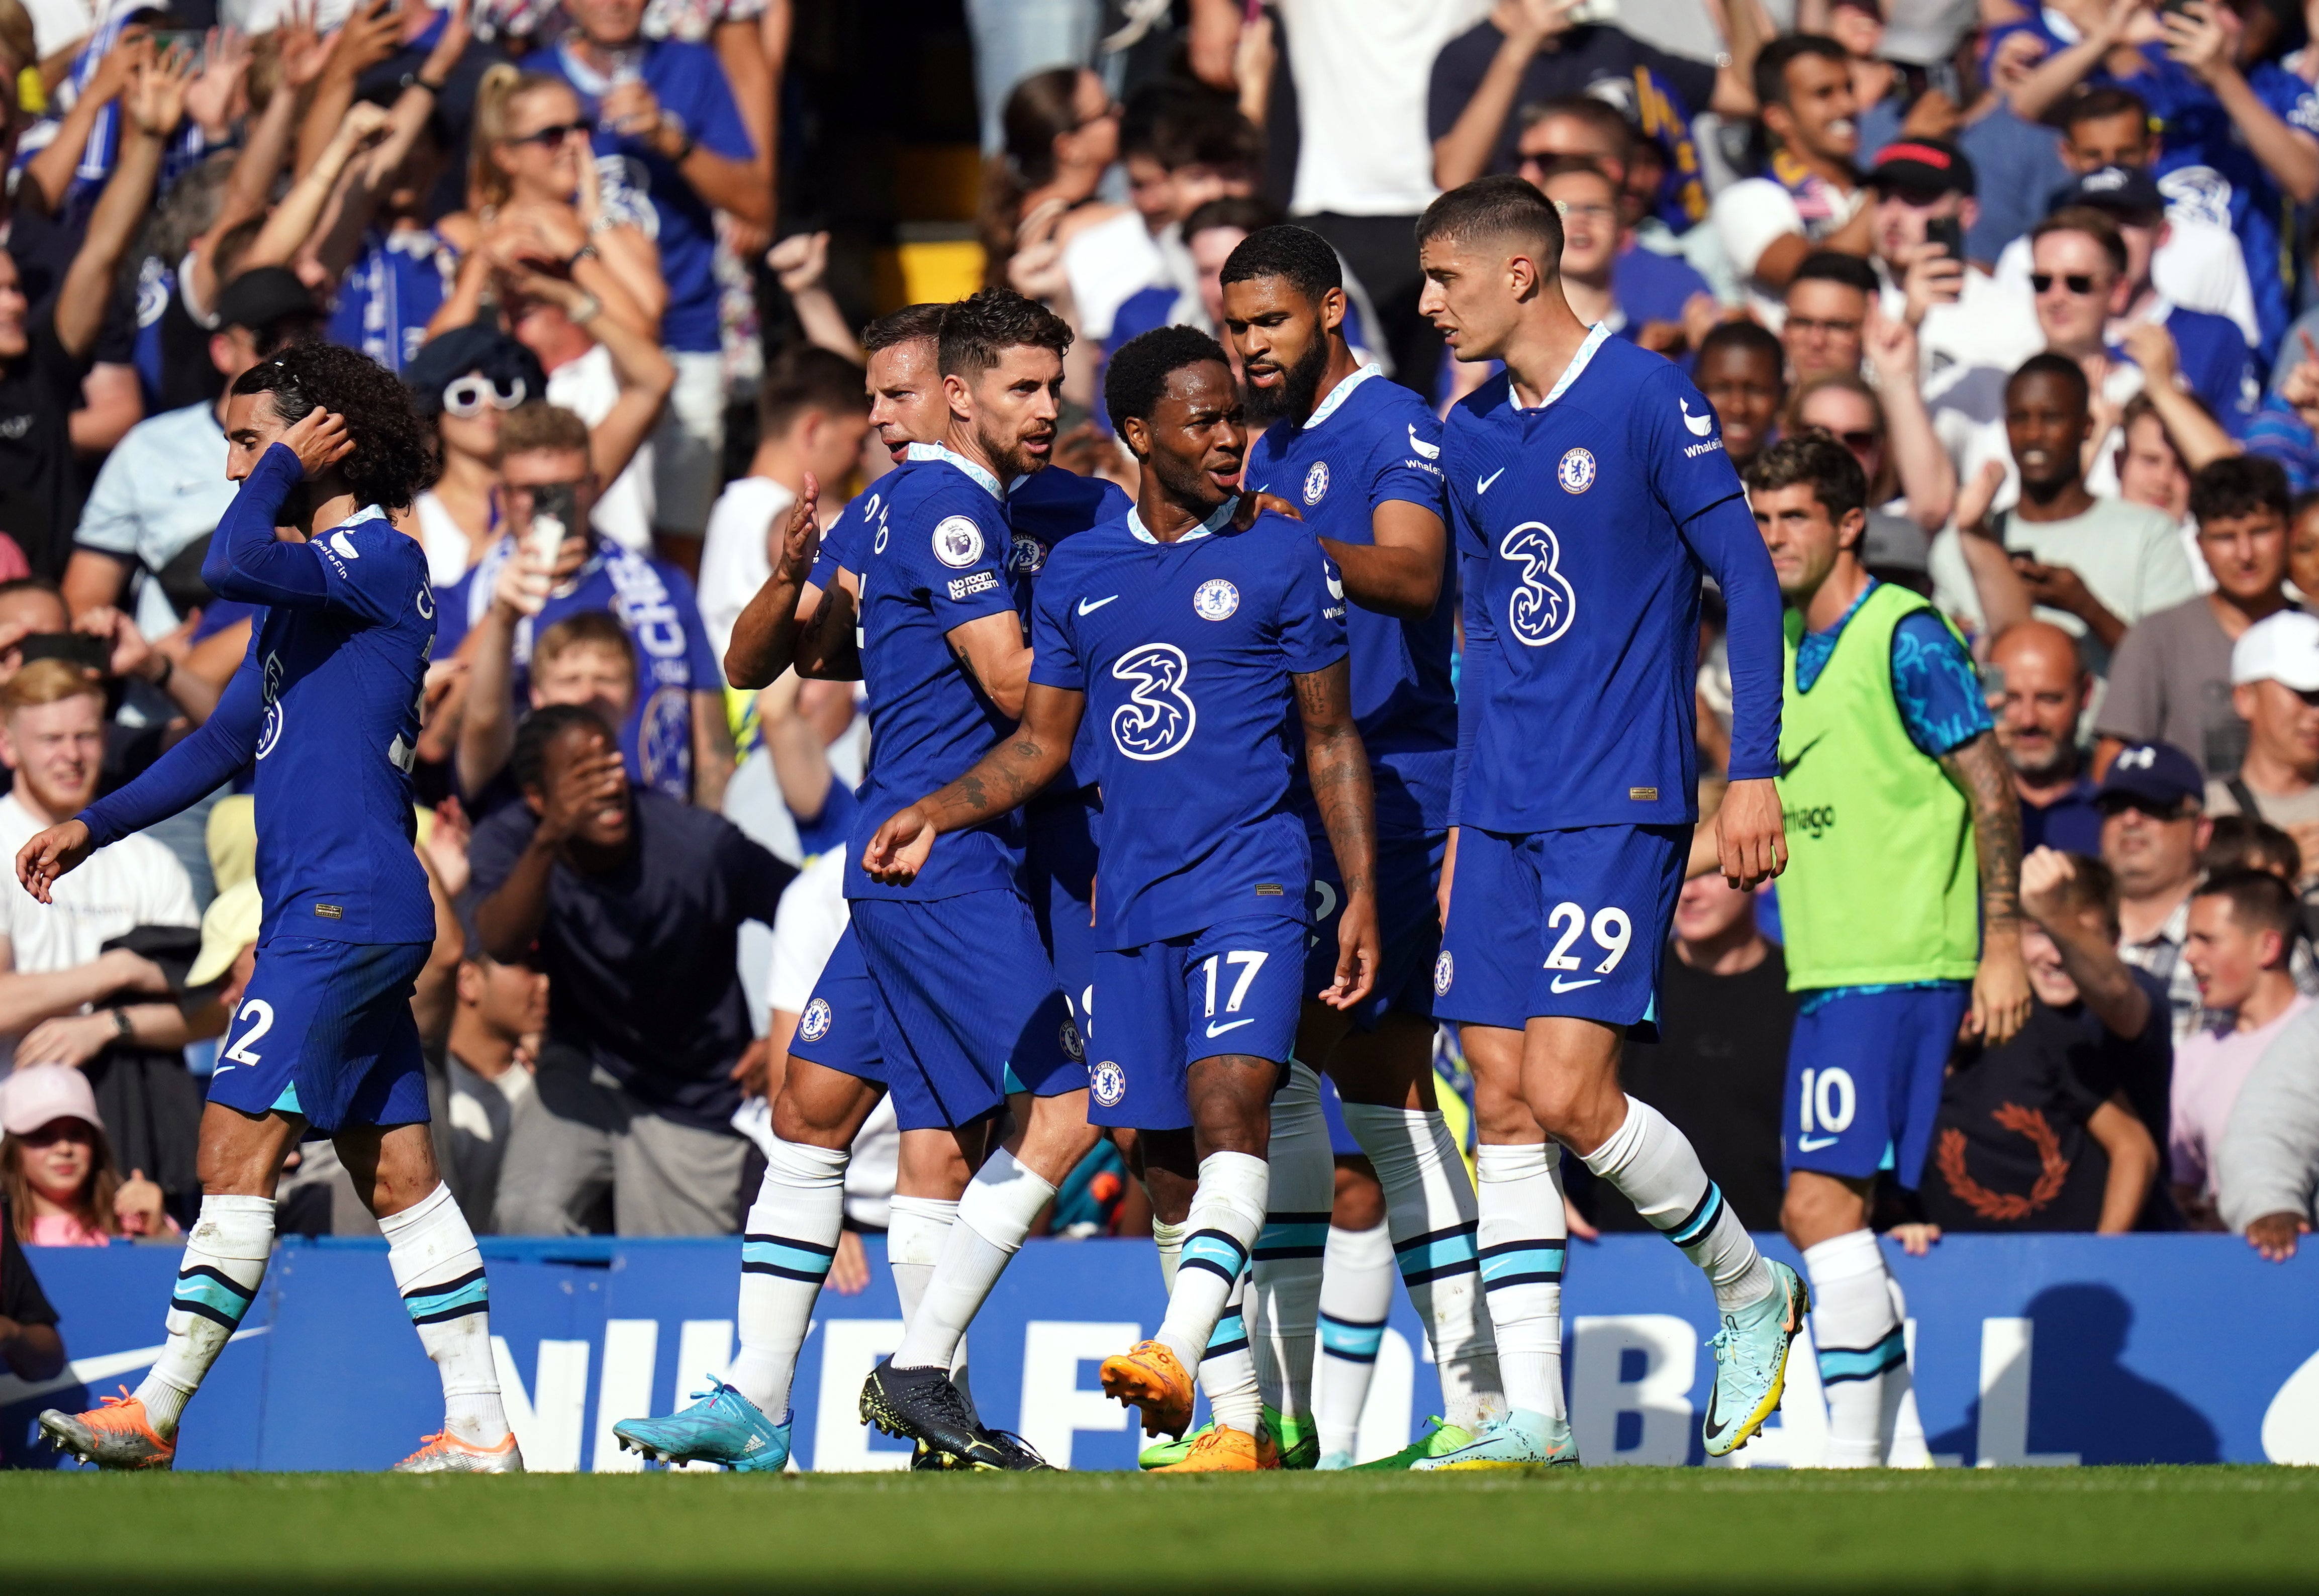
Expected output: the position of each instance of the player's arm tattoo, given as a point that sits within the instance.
(1338, 767)
(1981, 773)
(1017, 767)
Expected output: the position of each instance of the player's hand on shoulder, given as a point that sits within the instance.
(320, 440)
(1252, 505)
(49, 855)
(899, 851)
(1751, 836)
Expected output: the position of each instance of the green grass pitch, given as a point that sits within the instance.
(2108, 1530)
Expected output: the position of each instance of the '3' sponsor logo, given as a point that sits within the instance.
(1158, 718)
(1544, 603)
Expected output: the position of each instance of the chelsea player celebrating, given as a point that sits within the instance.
(1358, 456)
(1181, 631)
(1589, 490)
(324, 443)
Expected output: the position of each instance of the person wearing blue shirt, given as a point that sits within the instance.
(324, 443)
(1590, 492)
(671, 140)
(1356, 457)
(1184, 632)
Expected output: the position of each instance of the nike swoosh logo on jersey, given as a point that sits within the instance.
(1215, 1029)
(1562, 985)
(1788, 766)
(1089, 606)
(1814, 1143)
(1483, 485)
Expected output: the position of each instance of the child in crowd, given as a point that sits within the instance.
(56, 1170)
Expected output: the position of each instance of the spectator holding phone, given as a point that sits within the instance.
(1926, 206)
(669, 135)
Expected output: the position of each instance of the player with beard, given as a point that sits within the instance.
(1356, 456)
(1183, 631)
(838, 1064)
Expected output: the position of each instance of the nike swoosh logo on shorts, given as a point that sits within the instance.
(1562, 985)
(1215, 1029)
(1089, 606)
(1483, 485)
(1814, 1143)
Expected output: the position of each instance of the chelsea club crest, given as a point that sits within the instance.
(1577, 472)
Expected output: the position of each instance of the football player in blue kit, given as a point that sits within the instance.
(324, 443)
(1358, 456)
(805, 615)
(1589, 491)
(1184, 632)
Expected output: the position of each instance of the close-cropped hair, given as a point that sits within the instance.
(1136, 376)
(978, 330)
(589, 628)
(1498, 209)
(1811, 458)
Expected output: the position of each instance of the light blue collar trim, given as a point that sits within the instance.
(368, 512)
(983, 479)
(1342, 393)
(1214, 523)
(1596, 337)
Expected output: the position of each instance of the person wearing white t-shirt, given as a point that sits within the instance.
(812, 414)
(1812, 196)
(53, 965)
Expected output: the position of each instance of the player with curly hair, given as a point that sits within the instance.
(323, 443)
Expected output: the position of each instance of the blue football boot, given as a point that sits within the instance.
(721, 1426)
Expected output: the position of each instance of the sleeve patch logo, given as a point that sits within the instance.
(1217, 600)
(814, 1024)
(966, 586)
(957, 542)
(1316, 482)
(1577, 472)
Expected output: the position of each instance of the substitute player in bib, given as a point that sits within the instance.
(1181, 631)
(1890, 773)
(1359, 457)
(1590, 492)
(324, 444)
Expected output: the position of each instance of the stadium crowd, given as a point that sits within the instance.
(2043, 272)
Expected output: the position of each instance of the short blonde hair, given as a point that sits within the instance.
(48, 681)
(538, 425)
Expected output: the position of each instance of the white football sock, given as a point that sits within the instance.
(1226, 1217)
(1228, 1369)
(788, 1241)
(1169, 1239)
(1524, 1240)
(994, 1218)
(1652, 1165)
(915, 1230)
(1283, 1293)
(224, 1262)
(1356, 1295)
(1430, 1206)
(1860, 1343)
(1901, 1420)
(439, 1272)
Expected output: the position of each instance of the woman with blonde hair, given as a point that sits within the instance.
(56, 1171)
(535, 198)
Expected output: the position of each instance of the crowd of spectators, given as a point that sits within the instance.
(2039, 270)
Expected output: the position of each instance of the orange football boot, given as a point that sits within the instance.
(1150, 1377)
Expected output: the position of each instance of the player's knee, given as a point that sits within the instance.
(1501, 1113)
(812, 1111)
(1817, 1207)
(1360, 1204)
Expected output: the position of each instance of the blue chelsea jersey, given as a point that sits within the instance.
(1584, 526)
(937, 557)
(1184, 652)
(1045, 507)
(1371, 441)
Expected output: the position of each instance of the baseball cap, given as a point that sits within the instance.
(2126, 189)
(2156, 772)
(1923, 166)
(2283, 647)
(264, 295)
(42, 1093)
(229, 925)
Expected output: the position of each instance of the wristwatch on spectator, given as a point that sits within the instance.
(413, 80)
(670, 122)
(121, 1023)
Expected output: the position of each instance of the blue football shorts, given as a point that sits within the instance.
(1235, 987)
(1560, 923)
(1864, 1072)
(838, 1028)
(324, 1031)
(966, 1005)
(1409, 923)
(1058, 864)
